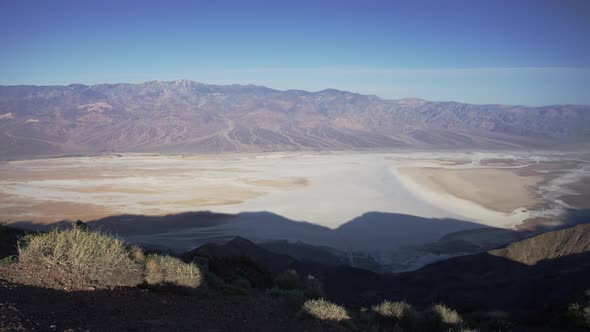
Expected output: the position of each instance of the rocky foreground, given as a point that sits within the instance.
(536, 284)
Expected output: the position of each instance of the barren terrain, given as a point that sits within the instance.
(327, 189)
(501, 190)
(387, 205)
(189, 117)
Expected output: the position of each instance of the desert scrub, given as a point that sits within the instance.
(137, 254)
(8, 260)
(313, 288)
(394, 310)
(293, 297)
(325, 310)
(446, 315)
(579, 315)
(170, 270)
(84, 257)
(288, 280)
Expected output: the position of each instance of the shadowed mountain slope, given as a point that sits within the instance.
(185, 116)
(556, 273)
(542, 272)
(237, 247)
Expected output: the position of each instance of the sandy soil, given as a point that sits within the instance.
(501, 190)
(328, 189)
(91, 188)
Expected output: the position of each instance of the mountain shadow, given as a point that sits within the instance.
(541, 273)
(533, 280)
(370, 232)
(390, 237)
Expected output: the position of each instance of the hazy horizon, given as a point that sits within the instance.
(294, 89)
(527, 53)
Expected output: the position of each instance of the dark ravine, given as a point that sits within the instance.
(188, 117)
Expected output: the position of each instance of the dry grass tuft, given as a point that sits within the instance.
(325, 310)
(137, 254)
(170, 270)
(446, 314)
(394, 310)
(89, 258)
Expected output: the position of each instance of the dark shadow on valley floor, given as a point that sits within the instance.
(370, 232)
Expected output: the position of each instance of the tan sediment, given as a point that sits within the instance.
(277, 183)
(48, 211)
(536, 223)
(16, 208)
(207, 196)
(110, 189)
(93, 172)
(501, 190)
(45, 191)
(495, 162)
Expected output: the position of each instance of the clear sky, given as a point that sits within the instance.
(515, 51)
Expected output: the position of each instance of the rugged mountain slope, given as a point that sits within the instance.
(542, 272)
(185, 116)
(237, 247)
(548, 246)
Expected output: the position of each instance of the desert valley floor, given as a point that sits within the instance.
(366, 202)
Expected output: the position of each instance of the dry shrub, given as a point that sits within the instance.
(293, 297)
(313, 288)
(446, 314)
(137, 254)
(90, 258)
(170, 270)
(325, 310)
(394, 310)
(288, 280)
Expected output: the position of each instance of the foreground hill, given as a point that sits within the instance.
(541, 274)
(531, 282)
(185, 116)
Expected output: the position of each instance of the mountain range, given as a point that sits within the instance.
(184, 116)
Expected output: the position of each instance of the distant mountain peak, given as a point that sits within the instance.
(190, 117)
(412, 102)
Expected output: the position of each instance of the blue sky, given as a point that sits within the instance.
(517, 52)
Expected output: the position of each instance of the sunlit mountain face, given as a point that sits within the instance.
(185, 116)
